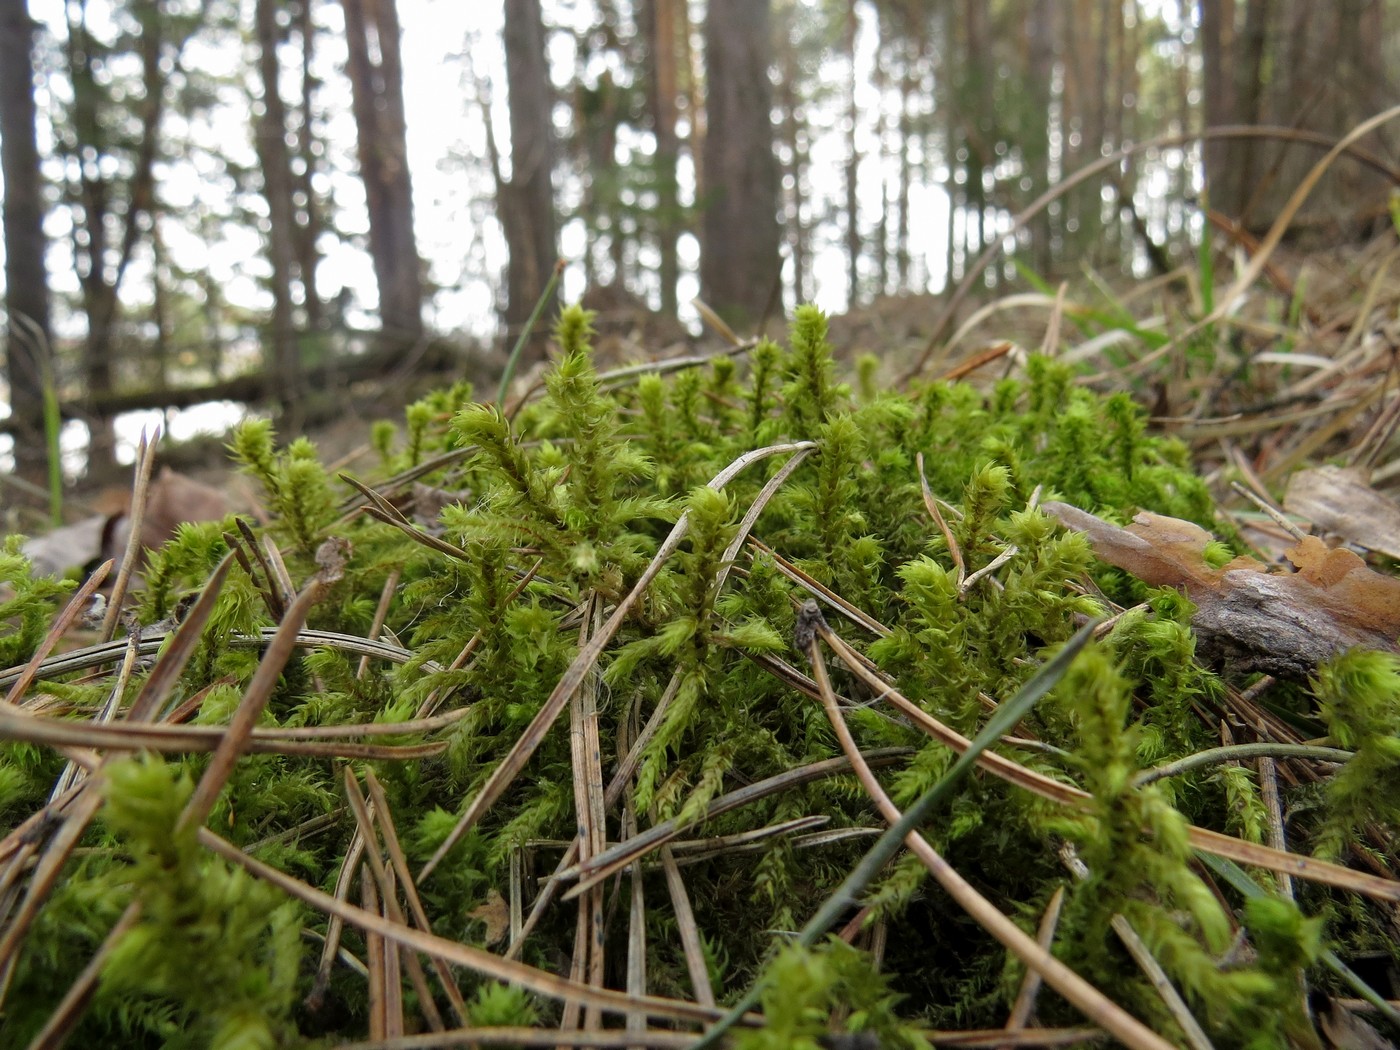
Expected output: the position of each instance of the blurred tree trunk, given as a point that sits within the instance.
(1221, 106)
(977, 122)
(951, 146)
(1316, 67)
(910, 32)
(886, 127)
(852, 174)
(525, 204)
(376, 81)
(1331, 76)
(1084, 37)
(27, 346)
(795, 136)
(274, 159)
(308, 151)
(1248, 95)
(1035, 144)
(663, 93)
(739, 265)
(160, 310)
(597, 117)
(692, 62)
(908, 83)
(101, 264)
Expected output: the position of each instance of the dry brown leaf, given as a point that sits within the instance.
(174, 500)
(494, 913)
(1341, 501)
(1345, 1029)
(66, 547)
(1247, 617)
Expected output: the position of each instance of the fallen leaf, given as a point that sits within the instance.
(1249, 618)
(1340, 500)
(66, 547)
(1347, 1030)
(175, 499)
(172, 499)
(494, 913)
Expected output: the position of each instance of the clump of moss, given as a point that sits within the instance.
(548, 521)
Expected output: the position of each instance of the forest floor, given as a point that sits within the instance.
(1282, 405)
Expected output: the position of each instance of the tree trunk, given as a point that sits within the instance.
(1217, 45)
(914, 56)
(275, 161)
(101, 270)
(663, 91)
(27, 345)
(852, 179)
(977, 122)
(794, 168)
(309, 225)
(739, 267)
(526, 203)
(1305, 65)
(376, 81)
(1035, 145)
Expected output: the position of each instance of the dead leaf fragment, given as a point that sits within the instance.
(1346, 1030)
(494, 913)
(1340, 500)
(66, 547)
(172, 500)
(1248, 618)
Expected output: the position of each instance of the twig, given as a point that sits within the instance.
(1239, 753)
(140, 494)
(1024, 1005)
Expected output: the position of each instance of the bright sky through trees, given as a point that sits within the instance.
(453, 63)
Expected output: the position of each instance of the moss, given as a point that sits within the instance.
(554, 517)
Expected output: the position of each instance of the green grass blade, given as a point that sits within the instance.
(53, 424)
(519, 347)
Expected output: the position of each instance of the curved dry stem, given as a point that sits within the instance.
(1212, 842)
(1089, 171)
(1260, 259)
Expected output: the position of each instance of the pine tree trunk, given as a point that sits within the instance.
(794, 134)
(526, 203)
(381, 126)
(27, 346)
(102, 266)
(1217, 45)
(663, 92)
(852, 179)
(275, 160)
(739, 265)
(308, 229)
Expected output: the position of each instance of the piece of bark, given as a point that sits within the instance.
(1247, 617)
(1340, 500)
